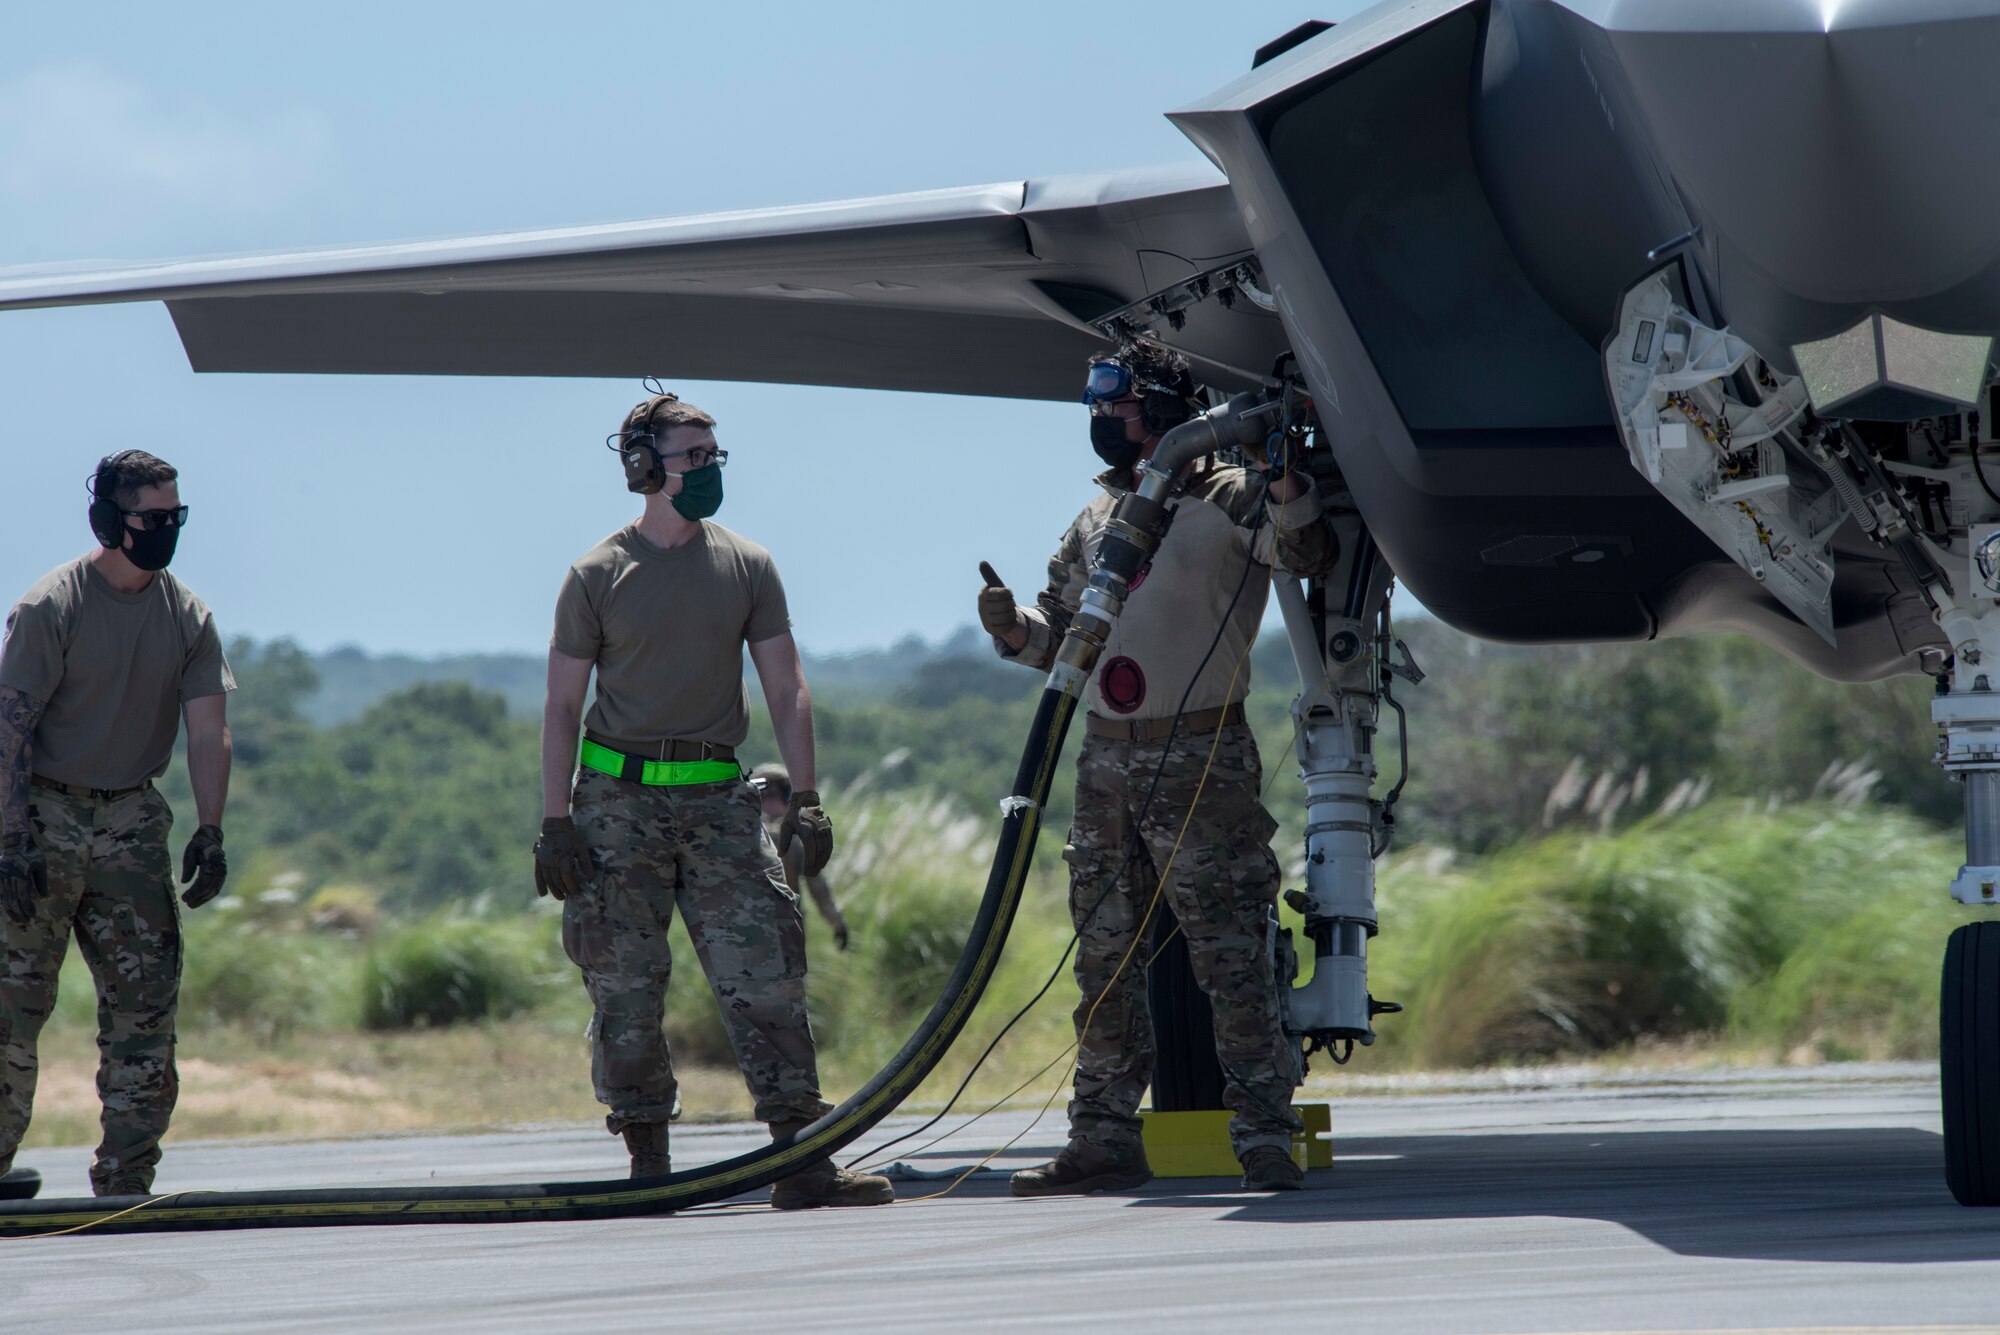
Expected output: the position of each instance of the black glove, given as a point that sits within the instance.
(840, 936)
(24, 876)
(810, 826)
(562, 859)
(203, 864)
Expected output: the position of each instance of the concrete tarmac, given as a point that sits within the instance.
(1761, 1200)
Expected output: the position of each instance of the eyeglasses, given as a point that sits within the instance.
(701, 456)
(154, 520)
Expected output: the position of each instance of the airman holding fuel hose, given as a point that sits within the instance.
(1167, 700)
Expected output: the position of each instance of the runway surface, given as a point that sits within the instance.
(1761, 1200)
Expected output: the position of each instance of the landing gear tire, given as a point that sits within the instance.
(1969, 1055)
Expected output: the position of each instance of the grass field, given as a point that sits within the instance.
(1729, 934)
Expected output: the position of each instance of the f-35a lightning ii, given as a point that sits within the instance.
(1620, 320)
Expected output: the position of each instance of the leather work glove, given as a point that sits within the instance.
(997, 612)
(810, 826)
(562, 860)
(204, 864)
(24, 876)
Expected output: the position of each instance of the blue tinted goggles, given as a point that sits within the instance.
(1105, 382)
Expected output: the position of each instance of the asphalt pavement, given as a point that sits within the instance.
(1761, 1200)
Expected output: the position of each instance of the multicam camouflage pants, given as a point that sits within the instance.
(1221, 884)
(111, 880)
(701, 847)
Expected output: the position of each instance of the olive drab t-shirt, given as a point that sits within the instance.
(666, 628)
(114, 669)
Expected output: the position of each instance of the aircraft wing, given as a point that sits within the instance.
(980, 290)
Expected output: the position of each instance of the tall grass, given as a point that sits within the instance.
(1810, 932)
(451, 967)
(1815, 928)
(910, 875)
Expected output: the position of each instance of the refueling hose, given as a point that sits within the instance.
(1133, 533)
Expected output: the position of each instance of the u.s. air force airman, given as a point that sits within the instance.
(659, 815)
(1205, 838)
(102, 659)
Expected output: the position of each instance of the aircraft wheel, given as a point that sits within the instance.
(1969, 1054)
(19, 1184)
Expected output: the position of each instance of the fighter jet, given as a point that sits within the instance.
(1618, 320)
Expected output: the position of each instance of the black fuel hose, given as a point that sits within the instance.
(625, 1197)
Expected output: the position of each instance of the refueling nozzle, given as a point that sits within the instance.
(1232, 425)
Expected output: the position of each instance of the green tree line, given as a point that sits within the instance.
(430, 794)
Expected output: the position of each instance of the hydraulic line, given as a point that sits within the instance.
(1134, 533)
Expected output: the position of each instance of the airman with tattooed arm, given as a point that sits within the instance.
(102, 660)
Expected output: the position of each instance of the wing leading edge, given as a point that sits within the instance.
(982, 290)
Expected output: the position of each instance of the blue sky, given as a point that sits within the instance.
(435, 515)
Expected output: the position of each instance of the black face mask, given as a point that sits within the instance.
(152, 549)
(1107, 437)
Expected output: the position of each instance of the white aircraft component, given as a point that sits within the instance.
(1716, 457)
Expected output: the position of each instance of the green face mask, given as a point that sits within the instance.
(701, 492)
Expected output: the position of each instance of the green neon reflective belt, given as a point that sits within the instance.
(658, 773)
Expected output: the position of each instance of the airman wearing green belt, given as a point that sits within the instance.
(658, 815)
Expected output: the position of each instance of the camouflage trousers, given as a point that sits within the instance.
(701, 848)
(1221, 884)
(111, 881)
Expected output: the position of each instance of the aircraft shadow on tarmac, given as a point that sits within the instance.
(1844, 1195)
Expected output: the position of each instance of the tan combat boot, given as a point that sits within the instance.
(1082, 1168)
(647, 1142)
(824, 1183)
(1268, 1168)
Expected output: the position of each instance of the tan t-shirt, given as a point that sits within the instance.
(666, 628)
(115, 669)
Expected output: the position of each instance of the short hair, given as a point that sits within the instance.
(661, 414)
(122, 476)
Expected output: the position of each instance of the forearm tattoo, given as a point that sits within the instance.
(19, 713)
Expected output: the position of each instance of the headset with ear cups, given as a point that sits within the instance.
(107, 517)
(638, 448)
